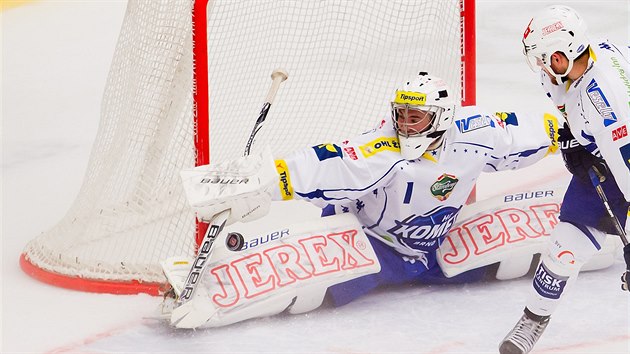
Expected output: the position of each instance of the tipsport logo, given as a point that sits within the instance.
(425, 231)
(599, 100)
(406, 97)
(284, 180)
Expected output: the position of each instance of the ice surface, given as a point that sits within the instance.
(55, 57)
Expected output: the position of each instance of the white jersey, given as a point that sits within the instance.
(411, 205)
(597, 108)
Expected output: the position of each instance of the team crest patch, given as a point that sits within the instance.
(327, 151)
(443, 187)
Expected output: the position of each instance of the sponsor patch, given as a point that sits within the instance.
(548, 284)
(509, 118)
(619, 133)
(327, 151)
(352, 154)
(286, 189)
(443, 187)
(381, 144)
(598, 99)
(473, 123)
(551, 127)
(406, 97)
(552, 28)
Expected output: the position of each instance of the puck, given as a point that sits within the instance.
(234, 241)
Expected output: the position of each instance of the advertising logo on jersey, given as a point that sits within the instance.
(551, 127)
(506, 118)
(425, 231)
(327, 151)
(599, 100)
(473, 123)
(548, 284)
(286, 189)
(623, 75)
(620, 133)
(352, 154)
(443, 187)
(381, 144)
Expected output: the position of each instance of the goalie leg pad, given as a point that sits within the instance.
(290, 272)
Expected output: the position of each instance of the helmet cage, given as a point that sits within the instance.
(405, 125)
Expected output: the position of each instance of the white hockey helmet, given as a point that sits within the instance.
(556, 28)
(432, 99)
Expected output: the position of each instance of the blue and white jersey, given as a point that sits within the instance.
(411, 205)
(597, 108)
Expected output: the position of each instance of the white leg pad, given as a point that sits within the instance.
(290, 270)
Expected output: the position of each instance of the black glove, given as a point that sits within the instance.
(576, 158)
(625, 278)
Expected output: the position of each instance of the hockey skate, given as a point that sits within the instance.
(525, 334)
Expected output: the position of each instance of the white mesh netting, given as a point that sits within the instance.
(344, 60)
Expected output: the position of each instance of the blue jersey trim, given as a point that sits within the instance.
(319, 193)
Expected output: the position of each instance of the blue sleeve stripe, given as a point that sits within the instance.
(478, 145)
(523, 153)
(380, 218)
(319, 193)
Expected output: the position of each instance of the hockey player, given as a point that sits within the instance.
(588, 81)
(405, 181)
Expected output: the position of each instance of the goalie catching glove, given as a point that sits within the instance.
(241, 186)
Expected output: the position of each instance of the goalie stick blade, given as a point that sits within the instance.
(205, 251)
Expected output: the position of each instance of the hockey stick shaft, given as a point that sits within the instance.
(219, 220)
(278, 76)
(596, 179)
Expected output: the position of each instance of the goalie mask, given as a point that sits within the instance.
(422, 111)
(557, 28)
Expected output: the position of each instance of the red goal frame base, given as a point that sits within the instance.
(90, 285)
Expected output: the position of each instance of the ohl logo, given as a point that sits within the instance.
(436, 224)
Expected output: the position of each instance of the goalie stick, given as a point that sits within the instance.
(218, 221)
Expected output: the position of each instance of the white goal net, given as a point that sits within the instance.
(344, 60)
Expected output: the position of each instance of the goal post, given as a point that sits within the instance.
(185, 85)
